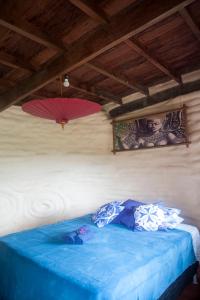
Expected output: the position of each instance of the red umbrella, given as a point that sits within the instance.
(61, 109)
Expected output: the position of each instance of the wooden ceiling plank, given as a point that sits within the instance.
(6, 83)
(107, 94)
(156, 98)
(4, 32)
(30, 31)
(132, 85)
(94, 92)
(13, 62)
(91, 9)
(142, 50)
(40, 96)
(121, 27)
(190, 22)
(11, 18)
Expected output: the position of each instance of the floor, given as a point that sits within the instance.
(192, 292)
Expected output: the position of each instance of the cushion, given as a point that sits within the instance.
(106, 213)
(149, 217)
(132, 203)
(172, 218)
(126, 217)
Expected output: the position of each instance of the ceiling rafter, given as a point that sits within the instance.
(132, 85)
(93, 91)
(4, 32)
(120, 28)
(142, 50)
(13, 62)
(8, 84)
(81, 87)
(190, 22)
(26, 29)
(159, 97)
(91, 9)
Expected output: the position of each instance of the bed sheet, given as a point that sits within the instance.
(117, 264)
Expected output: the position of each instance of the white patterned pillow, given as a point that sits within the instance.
(149, 217)
(172, 219)
(106, 213)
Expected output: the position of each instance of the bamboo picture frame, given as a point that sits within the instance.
(168, 128)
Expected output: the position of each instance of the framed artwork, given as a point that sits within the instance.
(151, 131)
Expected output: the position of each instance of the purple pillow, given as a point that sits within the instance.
(132, 203)
(126, 217)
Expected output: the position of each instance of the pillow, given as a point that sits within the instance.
(172, 219)
(149, 217)
(132, 203)
(126, 217)
(106, 213)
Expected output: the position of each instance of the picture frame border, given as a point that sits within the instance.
(186, 143)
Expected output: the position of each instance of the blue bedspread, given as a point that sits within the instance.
(117, 264)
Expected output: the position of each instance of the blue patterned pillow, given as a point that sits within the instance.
(106, 213)
(149, 217)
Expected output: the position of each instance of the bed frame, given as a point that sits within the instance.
(176, 288)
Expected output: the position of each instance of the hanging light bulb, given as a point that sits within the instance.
(66, 81)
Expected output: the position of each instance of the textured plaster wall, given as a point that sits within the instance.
(47, 174)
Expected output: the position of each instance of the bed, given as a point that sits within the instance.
(116, 264)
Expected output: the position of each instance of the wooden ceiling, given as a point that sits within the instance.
(108, 48)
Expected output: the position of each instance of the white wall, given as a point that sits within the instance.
(47, 174)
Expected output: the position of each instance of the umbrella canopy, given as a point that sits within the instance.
(61, 109)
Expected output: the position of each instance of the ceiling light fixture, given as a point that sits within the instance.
(66, 81)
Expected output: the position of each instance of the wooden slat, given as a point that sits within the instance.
(190, 22)
(44, 57)
(11, 18)
(108, 97)
(156, 98)
(6, 83)
(3, 33)
(121, 27)
(107, 94)
(91, 9)
(13, 62)
(42, 96)
(142, 50)
(31, 32)
(38, 96)
(132, 85)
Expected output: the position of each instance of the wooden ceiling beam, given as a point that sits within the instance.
(107, 96)
(11, 19)
(76, 86)
(132, 85)
(13, 62)
(142, 50)
(120, 28)
(91, 9)
(3, 33)
(156, 98)
(190, 22)
(29, 31)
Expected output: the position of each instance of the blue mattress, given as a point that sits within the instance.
(117, 264)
